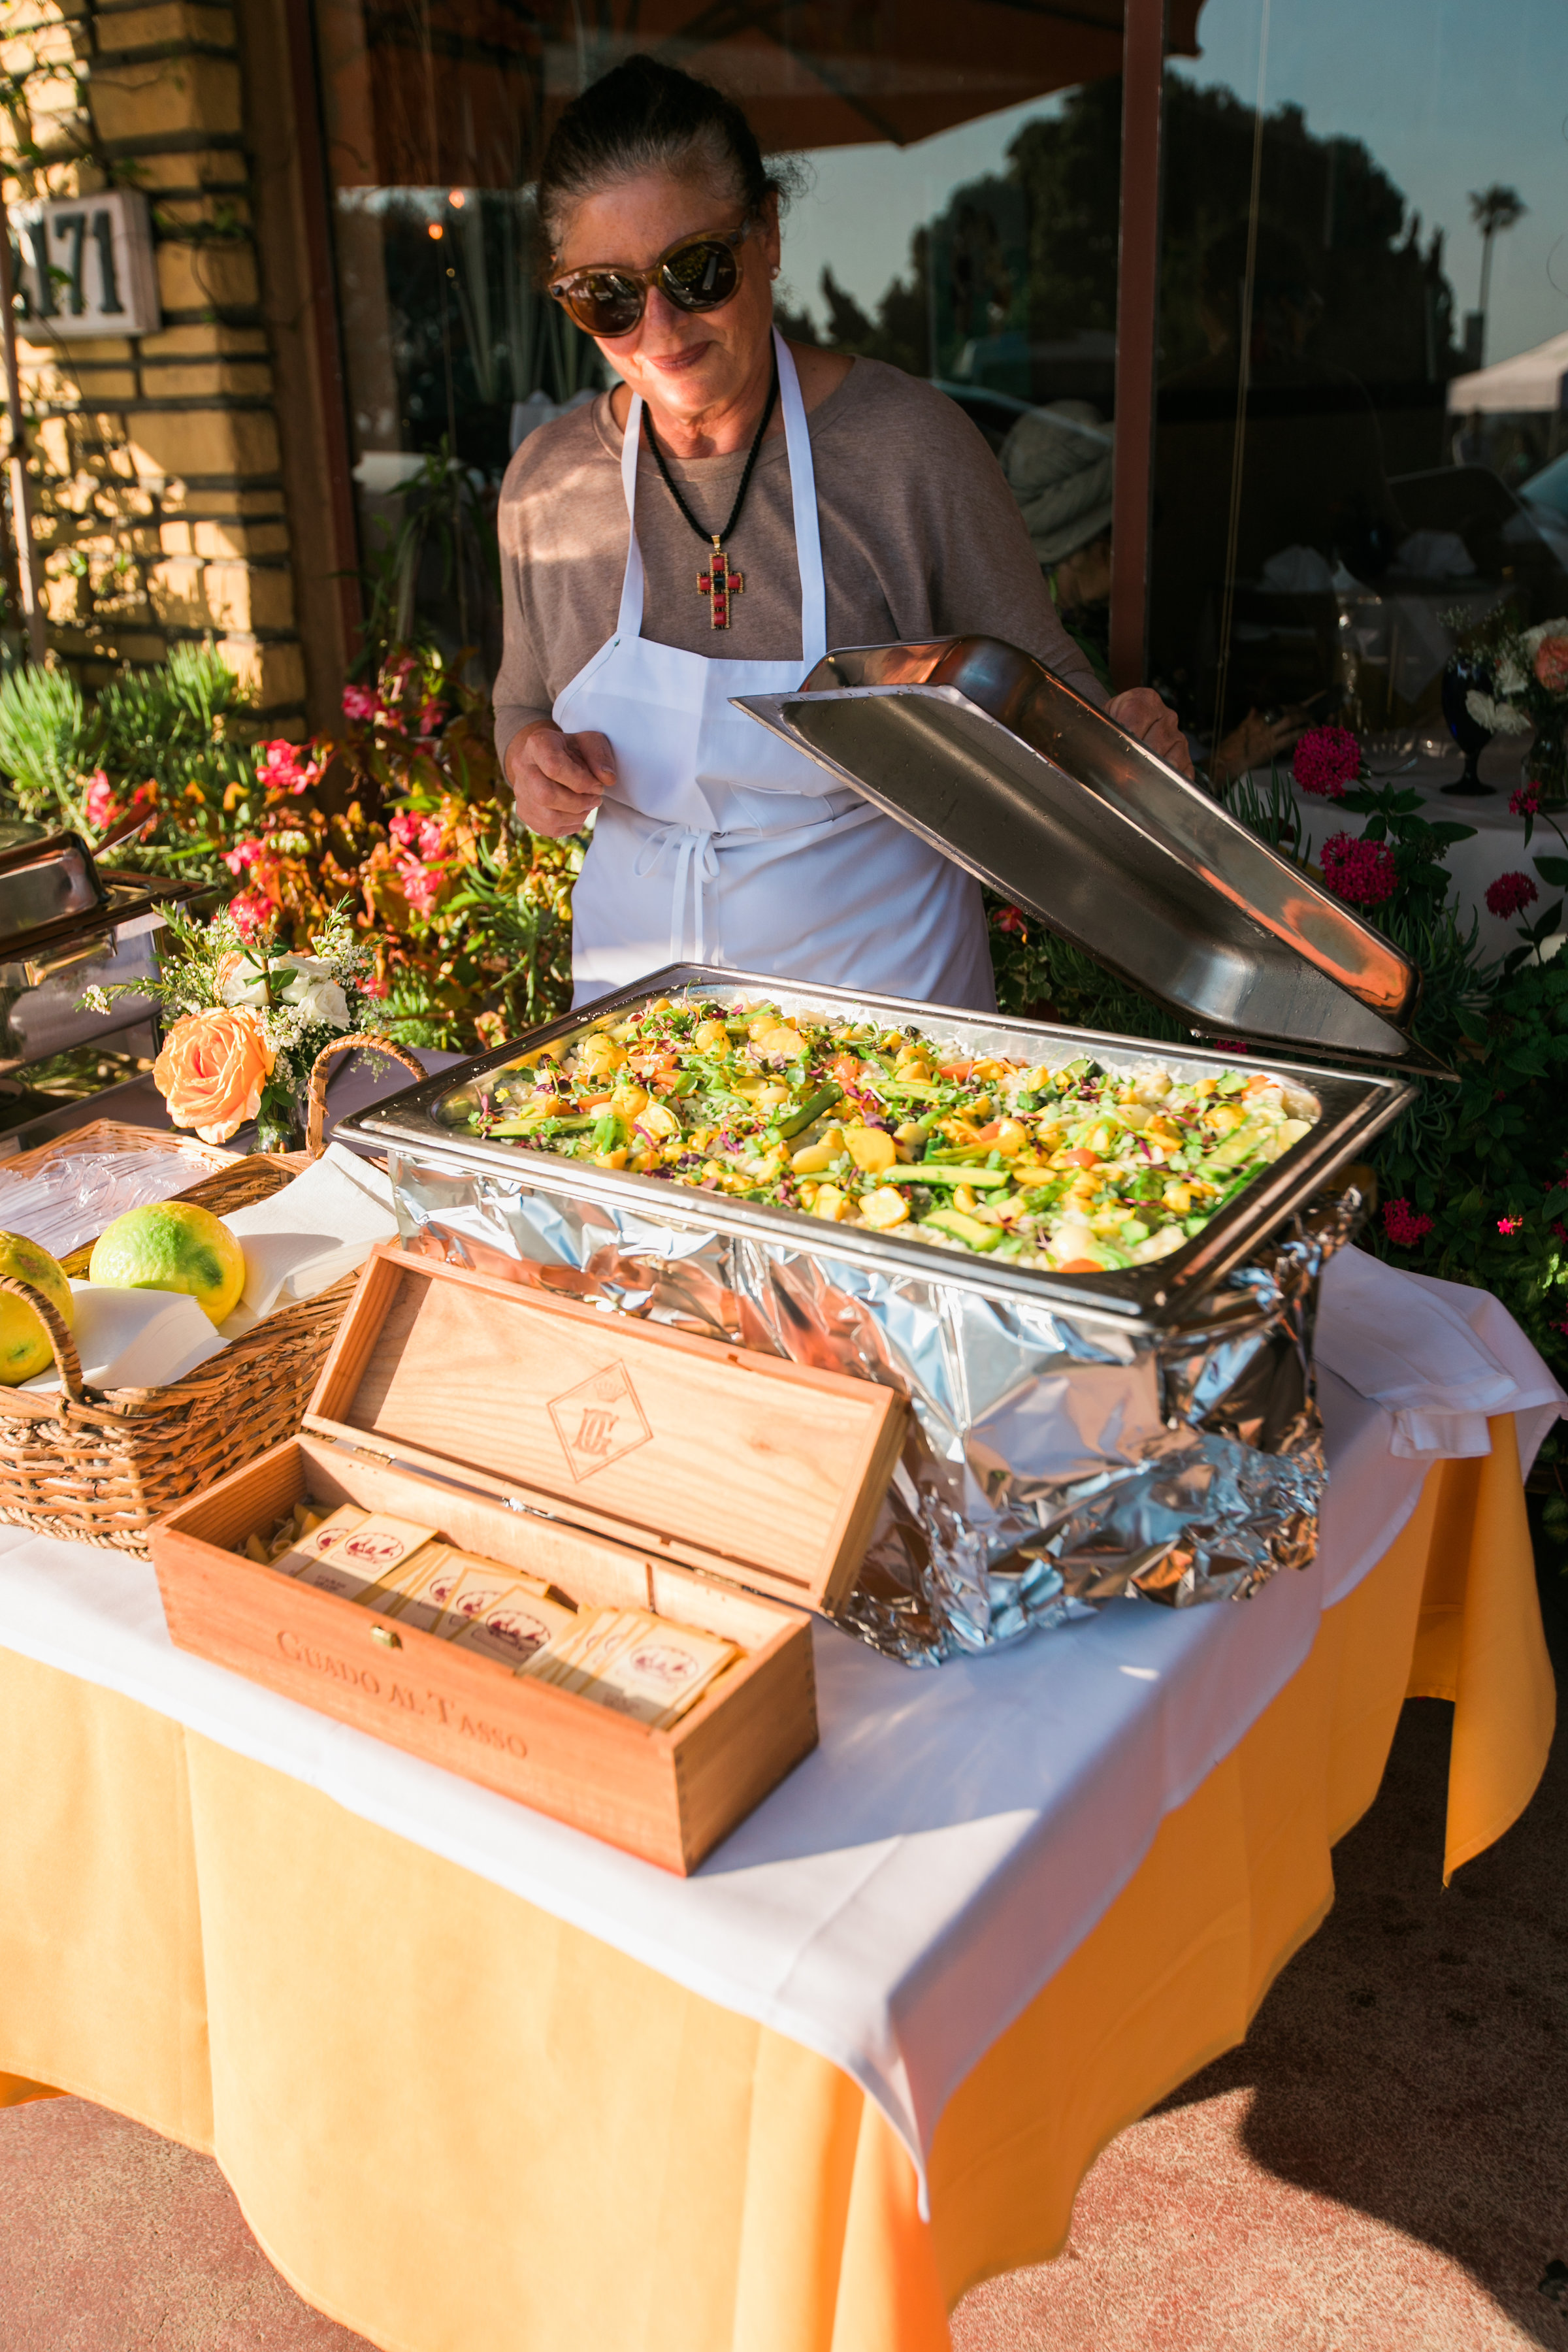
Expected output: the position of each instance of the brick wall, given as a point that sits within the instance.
(165, 486)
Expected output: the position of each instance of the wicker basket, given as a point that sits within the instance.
(99, 1465)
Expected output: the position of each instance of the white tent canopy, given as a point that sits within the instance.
(1537, 378)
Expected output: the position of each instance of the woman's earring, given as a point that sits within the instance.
(772, 273)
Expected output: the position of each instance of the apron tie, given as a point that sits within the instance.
(696, 865)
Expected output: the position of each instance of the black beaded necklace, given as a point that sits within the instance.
(718, 583)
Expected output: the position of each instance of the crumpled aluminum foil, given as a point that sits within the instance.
(1054, 1462)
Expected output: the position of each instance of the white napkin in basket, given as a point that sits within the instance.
(135, 1339)
(308, 1235)
(311, 1233)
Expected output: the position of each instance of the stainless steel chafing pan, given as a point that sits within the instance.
(1072, 1438)
(983, 753)
(1353, 1108)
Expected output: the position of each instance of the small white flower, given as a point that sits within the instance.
(1534, 640)
(1510, 679)
(1498, 717)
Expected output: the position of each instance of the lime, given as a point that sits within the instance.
(25, 1347)
(172, 1245)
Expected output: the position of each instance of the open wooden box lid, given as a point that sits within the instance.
(762, 1473)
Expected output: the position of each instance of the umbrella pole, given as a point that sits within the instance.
(21, 489)
(1137, 319)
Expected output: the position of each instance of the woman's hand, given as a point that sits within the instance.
(1155, 724)
(558, 781)
(1256, 743)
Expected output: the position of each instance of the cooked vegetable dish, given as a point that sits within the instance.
(1078, 1169)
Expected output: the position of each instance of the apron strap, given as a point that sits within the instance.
(803, 495)
(628, 621)
(803, 491)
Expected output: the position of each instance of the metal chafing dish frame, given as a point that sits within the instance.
(1163, 1297)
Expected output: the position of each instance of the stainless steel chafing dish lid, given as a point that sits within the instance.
(43, 883)
(987, 755)
(55, 901)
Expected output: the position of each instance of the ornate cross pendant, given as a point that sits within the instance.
(719, 583)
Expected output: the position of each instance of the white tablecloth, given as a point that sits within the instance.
(912, 1886)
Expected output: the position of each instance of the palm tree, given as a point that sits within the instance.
(1491, 209)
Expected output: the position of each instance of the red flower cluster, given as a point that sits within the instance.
(422, 837)
(361, 702)
(1510, 893)
(282, 770)
(1508, 1225)
(1405, 1226)
(1362, 873)
(102, 809)
(1525, 801)
(252, 913)
(1326, 760)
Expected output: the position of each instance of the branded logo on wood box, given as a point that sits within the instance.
(599, 1420)
(86, 264)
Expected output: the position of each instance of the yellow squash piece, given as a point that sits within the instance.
(872, 1150)
(884, 1208)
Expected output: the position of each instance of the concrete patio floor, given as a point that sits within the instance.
(1383, 2165)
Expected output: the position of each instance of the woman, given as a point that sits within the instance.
(781, 500)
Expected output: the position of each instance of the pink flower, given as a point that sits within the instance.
(1508, 1225)
(422, 885)
(1326, 760)
(1405, 1226)
(1008, 918)
(243, 853)
(423, 836)
(102, 808)
(281, 768)
(1525, 801)
(431, 718)
(377, 985)
(252, 913)
(1552, 663)
(1510, 893)
(1362, 873)
(361, 702)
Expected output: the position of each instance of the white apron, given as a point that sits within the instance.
(718, 843)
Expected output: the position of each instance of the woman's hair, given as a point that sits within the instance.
(641, 117)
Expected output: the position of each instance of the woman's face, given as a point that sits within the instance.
(690, 365)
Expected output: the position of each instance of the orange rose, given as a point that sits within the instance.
(212, 1070)
(1552, 663)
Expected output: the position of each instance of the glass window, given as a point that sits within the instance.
(432, 111)
(1363, 351)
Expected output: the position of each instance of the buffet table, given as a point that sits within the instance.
(480, 2082)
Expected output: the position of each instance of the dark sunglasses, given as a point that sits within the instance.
(700, 273)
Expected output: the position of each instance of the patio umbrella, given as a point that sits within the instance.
(426, 93)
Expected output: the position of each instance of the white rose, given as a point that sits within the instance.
(322, 1000)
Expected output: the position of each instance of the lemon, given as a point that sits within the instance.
(172, 1245)
(25, 1347)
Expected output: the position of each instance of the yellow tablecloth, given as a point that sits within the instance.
(460, 2125)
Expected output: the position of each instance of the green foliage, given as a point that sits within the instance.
(164, 736)
(48, 739)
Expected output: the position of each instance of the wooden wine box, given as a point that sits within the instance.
(629, 1464)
